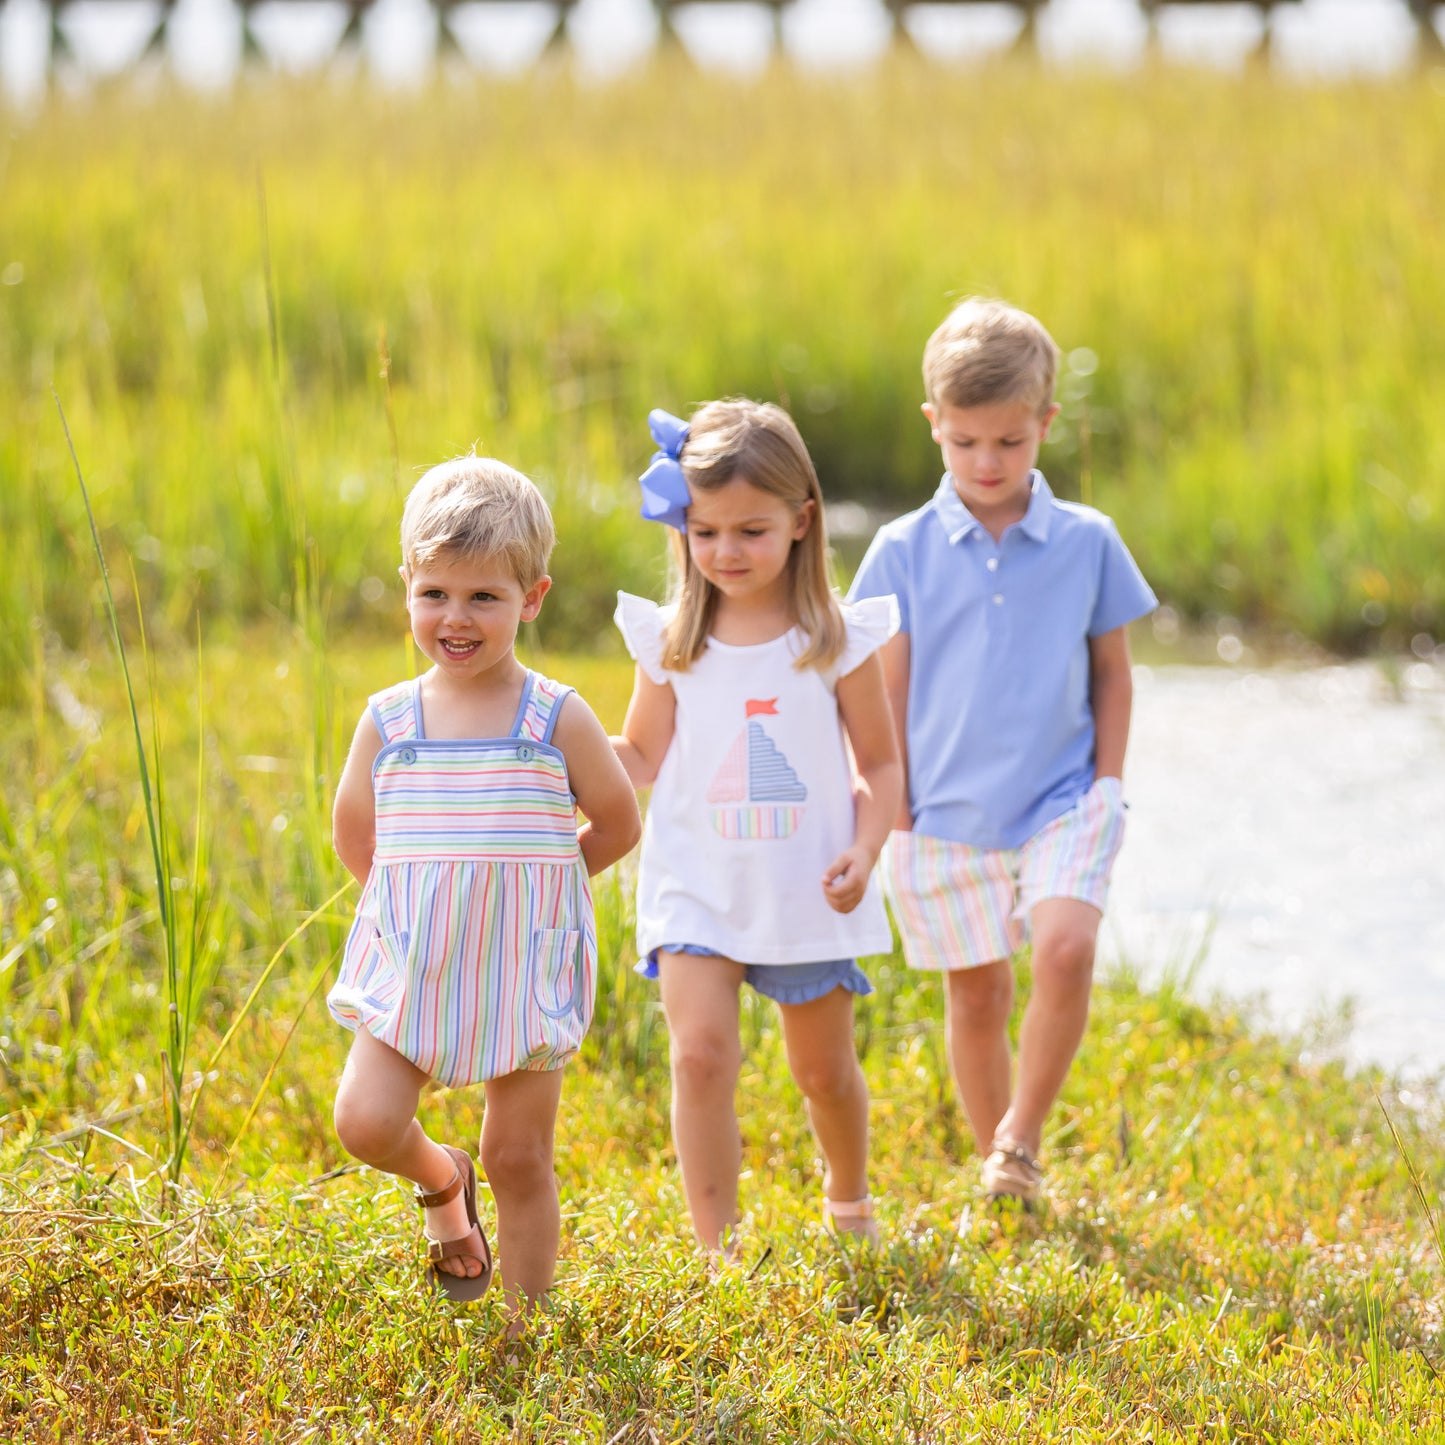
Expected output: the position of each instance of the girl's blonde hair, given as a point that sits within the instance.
(474, 506)
(760, 443)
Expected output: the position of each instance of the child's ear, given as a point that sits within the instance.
(532, 600)
(931, 413)
(804, 519)
(1048, 418)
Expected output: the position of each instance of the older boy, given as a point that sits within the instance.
(1011, 689)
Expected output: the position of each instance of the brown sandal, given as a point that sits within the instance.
(461, 1287)
(1011, 1172)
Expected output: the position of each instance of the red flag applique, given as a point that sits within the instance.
(756, 705)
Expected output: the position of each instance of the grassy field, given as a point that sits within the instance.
(1234, 1248)
(261, 313)
(1243, 276)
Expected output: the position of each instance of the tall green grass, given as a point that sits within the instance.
(263, 312)
(1239, 1246)
(1243, 275)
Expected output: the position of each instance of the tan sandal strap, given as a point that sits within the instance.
(442, 1196)
(469, 1246)
(849, 1208)
(1016, 1152)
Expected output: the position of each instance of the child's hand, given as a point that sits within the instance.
(845, 879)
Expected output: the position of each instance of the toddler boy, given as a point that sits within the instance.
(1011, 690)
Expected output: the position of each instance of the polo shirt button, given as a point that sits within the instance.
(997, 598)
(993, 564)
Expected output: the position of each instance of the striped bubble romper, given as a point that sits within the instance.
(474, 950)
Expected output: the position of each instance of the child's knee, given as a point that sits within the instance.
(981, 999)
(705, 1060)
(829, 1080)
(366, 1132)
(518, 1163)
(1065, 956)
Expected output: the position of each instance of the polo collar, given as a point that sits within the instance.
(958, 521)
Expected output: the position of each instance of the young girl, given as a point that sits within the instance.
(760, 840)
(473, 957)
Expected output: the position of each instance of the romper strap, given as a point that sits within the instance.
(394, 711)
(540, 709)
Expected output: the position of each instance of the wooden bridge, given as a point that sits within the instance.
(1429, 46)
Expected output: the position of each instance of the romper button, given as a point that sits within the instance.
(525, 753)
(997, 597)
(408, 755)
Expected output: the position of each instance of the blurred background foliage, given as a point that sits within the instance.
(1243, 274)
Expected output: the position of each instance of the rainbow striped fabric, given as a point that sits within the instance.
(474, 950)
(958, 906)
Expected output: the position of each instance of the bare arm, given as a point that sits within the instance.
(1111, 697)
(353, 816)
(646, 730)
(878, 784)
(896, 655)
(602, 789)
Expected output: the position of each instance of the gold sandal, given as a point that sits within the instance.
(852, 1218)
(461, 1287)
(1011, 1172)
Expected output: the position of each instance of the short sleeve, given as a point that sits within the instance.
(870, 623)
(1123, 593)
(883, 573)
(641, 624)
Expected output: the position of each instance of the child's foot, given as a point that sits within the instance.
(1011, 1172)
(853, 1217)
(461, 1259)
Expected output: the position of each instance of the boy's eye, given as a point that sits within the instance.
(433, 594)
(482, 597)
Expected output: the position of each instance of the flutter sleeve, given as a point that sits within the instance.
(641, 624)
(870, 623)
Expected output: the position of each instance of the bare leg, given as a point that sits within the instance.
(517, 1143)
(376, 1122)
(700, 998)
(978, 1003)
(824, 1061)
(1065, 931)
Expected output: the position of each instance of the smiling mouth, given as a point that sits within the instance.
(455, 647)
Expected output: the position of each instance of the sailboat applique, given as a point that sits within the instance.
(756, 793)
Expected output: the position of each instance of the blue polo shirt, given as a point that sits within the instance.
(1000, 732)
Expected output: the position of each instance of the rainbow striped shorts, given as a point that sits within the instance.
(958, 906)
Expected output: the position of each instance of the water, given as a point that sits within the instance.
(1313, 37)
(1291, 822)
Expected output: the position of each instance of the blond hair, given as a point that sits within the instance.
(988, 351)
(761, 444)
(474, 507)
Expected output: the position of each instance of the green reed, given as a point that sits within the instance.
(1242, 274)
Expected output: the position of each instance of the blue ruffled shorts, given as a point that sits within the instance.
(781, 982)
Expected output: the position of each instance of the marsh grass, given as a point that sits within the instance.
(1243, 276)
(1234, 1249)
(262, 318)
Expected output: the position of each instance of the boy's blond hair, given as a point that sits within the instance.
(760, 443)
(475, 506)
(988, 351)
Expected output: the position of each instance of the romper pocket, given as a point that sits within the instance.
(556, 971)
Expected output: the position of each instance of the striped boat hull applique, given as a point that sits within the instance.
(755, 793)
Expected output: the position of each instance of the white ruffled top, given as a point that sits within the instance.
(754, 798)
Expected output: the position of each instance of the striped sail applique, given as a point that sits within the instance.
(756, 793)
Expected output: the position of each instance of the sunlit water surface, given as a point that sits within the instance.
(1287, 830)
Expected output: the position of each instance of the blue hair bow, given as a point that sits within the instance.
(665, 496)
